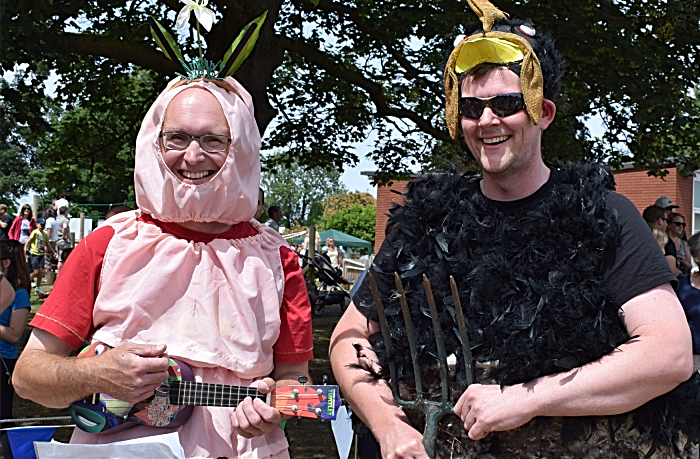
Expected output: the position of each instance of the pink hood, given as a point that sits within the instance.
(231, 196)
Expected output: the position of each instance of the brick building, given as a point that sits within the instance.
(643, 190)
(385, 197)
(634, 184)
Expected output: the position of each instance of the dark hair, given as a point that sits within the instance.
(694, 245)
(673, 215)
(272, 209)
(18, 271)
(652, 213)
(26, 206)
(117, 210)
(63, 196)
(551, 61)
(63, 210)
(262, 192)
(50, 212)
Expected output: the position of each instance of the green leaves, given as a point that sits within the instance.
(356, 221)
(164, 40)
(342, 73)
(299, 190)
(239, 50)
(242, 46)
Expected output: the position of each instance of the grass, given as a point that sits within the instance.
(306, 441)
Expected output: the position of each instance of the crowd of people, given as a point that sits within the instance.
(669, 229)
(46, 239)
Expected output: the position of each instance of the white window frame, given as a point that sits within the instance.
(696, 205)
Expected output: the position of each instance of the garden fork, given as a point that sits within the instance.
(434, 411)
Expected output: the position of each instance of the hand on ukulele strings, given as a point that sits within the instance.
(130, 372)
(253, 418)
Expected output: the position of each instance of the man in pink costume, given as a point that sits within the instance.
(188, 275)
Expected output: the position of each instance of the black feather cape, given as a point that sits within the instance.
(533, 291)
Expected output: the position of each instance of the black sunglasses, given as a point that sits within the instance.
(501, 105)
(678, 224)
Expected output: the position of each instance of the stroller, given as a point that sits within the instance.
(329, 289)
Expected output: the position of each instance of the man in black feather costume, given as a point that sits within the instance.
(581, 346)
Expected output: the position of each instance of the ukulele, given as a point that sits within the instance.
(171, 404)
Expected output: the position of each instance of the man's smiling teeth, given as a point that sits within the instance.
(493, 140)
(195, 175)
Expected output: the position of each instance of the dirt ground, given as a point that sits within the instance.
(306, 441)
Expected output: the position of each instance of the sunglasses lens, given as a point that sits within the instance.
(471, 107)
(507, 104)
(503, 105)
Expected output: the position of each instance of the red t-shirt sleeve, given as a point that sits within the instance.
(67, 312)
(296, 341)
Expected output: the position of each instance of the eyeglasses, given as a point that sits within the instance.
(678, 224)
(180, 141)
(502, 105)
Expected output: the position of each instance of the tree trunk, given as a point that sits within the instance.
(256, 72)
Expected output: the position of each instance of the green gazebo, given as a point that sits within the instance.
(340, 238)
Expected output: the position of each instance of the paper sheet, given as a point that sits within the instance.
(166, 446)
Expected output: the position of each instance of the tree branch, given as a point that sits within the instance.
(64, 12)
(375, 91)
(365, 27)
(140, 54)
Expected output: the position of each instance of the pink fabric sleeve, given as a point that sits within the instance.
(67, 312)
(296, 341)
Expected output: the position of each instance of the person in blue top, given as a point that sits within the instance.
(13, 320)
(689, 295)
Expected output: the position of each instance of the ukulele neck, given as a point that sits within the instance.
(205, 394)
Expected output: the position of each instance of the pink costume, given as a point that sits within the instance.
(216, 305)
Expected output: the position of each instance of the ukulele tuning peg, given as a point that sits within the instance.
(322, 424)
(297, 422)
(302, 379)
(325, 380)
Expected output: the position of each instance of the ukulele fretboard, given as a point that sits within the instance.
(206, 394)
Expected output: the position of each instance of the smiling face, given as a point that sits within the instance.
(508, 145)
(196, 112)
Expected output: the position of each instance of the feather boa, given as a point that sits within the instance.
(532, 289)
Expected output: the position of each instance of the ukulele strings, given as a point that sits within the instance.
(195, 393)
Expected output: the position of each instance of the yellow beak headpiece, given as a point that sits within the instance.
(492, 48)
(483, 50)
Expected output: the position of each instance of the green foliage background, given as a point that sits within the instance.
(299, 191)
(327, 74)
(356, 221)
